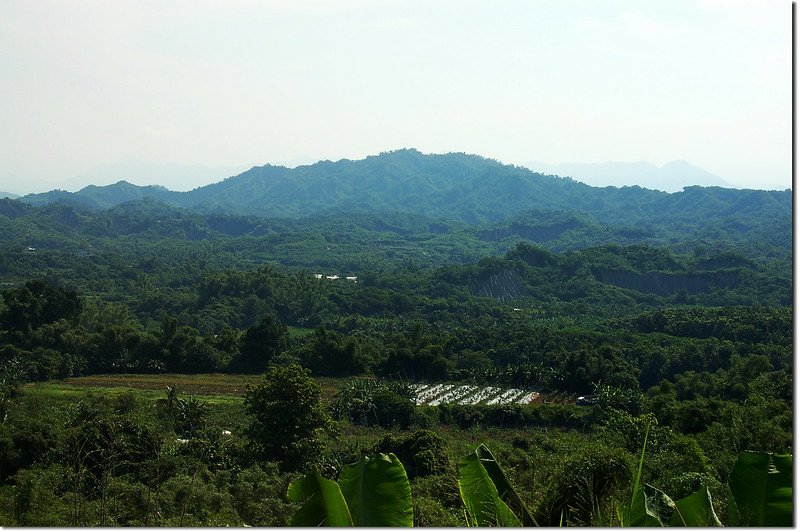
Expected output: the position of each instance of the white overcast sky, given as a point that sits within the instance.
(237, 83)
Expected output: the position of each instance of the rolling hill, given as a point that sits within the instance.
(453, 186)
(499, 201)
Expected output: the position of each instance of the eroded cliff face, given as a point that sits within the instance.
(533, 233)
(505, 284)
(666, 284)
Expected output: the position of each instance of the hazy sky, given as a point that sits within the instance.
(85, 84)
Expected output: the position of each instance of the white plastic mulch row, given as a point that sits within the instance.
(433, 392)
(437, 394)
(527, 398)
(480, 396)
(509, 396)
(454, 395)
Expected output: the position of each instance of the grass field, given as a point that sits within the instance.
(211, 387)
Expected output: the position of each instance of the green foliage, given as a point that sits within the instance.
(261, 344)
(649, 507)
(422, 452)
(323, 502)
(287, 419)
(372, 492)
(187, 416)
(452, 186)
(652, 507)
(377, 492)
(761, 490)
(258, 496)
(333, 354)
(372, 402)
(12, 376)
(696, 509)
(481, 499)
(430, 512)
(37, 303)
(584, 483)
(488, 496)
(35, 502)
(667, 310)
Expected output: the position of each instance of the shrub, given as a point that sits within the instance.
(287, 419)
(422, 453)
(583, 483)
(371, 402)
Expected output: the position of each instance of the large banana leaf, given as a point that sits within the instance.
(695, 510)
(323, 505)
(480, 495)
(650, 507)
(761, 490)
(377, 492)
(504, 488)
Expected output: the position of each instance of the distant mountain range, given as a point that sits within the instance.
(454, 187)
(173, 176)
(671, 177)
(8, 195)
(401, 207)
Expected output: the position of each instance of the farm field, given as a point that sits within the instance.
(436, 394)
(226, 385)
(201, 384)
(204, 384)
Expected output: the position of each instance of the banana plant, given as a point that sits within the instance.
(760, 494)
(323, 502)
(489, 498)
(375, 492)
(653, 507)
(761, 490)
(372, 492)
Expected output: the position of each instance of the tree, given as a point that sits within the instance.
(287, 419)
(12, 377)
(36, 303)
(261, 343)
(335, 354)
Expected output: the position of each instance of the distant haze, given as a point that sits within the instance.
(671, 177)
(205, 88)
(173, 176)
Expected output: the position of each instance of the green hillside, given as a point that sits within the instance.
(465, 188)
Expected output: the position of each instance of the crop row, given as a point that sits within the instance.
(437, 394)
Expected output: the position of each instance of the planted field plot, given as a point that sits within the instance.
(201, 384)
(204, 384)
(437, 394)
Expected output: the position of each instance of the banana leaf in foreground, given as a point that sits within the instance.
(377, 492)
(761, 490)
(323, 503)
(481, 495)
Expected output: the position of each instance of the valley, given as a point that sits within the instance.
(181, 358)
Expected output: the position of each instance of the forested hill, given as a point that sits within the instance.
(452, 186)
(104, 197)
